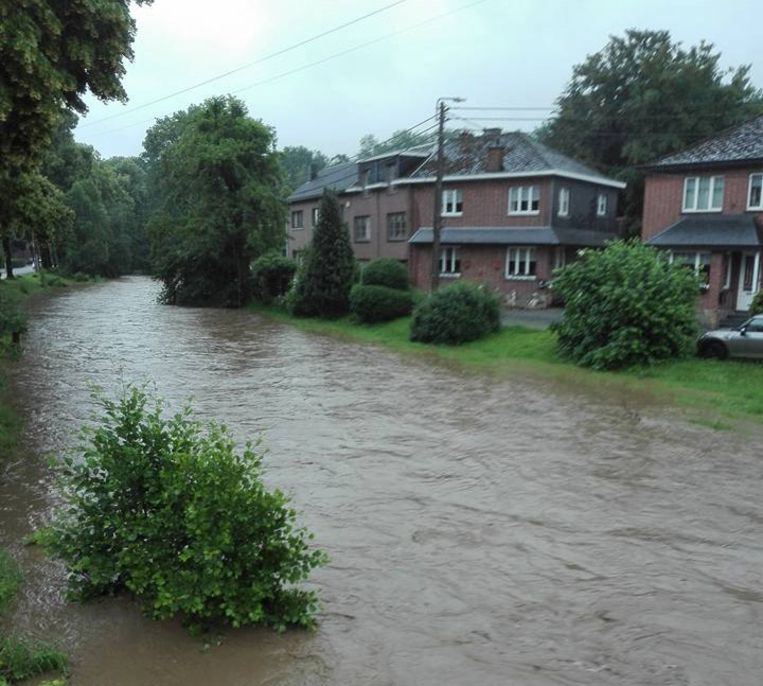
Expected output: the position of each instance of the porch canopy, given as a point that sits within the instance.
(726, 232)
(501, 235)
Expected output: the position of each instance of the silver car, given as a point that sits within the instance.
(745, 341)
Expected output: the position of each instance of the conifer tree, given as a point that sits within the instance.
(322, 286)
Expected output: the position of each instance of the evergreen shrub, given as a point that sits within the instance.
(171, 512)
(756, 307)
(455, 314)
(386, 271)
(626, 305)
(372, 304)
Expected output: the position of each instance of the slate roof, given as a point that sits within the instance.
(707, 231)
(467, 154)
(501, 235)
(742, 143)
(337, 177)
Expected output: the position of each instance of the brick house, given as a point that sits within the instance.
(704, 205)
(513, 210)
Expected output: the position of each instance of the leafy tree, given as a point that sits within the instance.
(51, 53)
(641, 97)
(300, 163)
(626, 305)
(400, 140)
(323, 282)
(272, 274)
(171, 512)
(219, 203)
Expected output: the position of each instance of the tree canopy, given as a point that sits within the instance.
(400, 140)
(643, 96)
(300, 163)
(218, 202)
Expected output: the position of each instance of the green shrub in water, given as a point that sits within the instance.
(455, 314)
(174, 514)
(21, 659)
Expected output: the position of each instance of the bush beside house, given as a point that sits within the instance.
(625, 305)
(373, 304)
(456, 314)
(272, 274)
(386, 271)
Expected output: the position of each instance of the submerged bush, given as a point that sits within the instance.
(272, 274)
(173, 513)
(12, 317)
(456, 314)
(22, 659)
(371, 304)
(386, 271)
(625, 305)
(10, 579)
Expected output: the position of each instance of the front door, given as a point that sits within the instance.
(748, 280)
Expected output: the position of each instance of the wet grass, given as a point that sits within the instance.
(10, 580)
(712, 391)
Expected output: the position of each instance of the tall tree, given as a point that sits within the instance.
(643, 96)
(324, 279)
(219, 203)
(400, 140)
(51, 53)
(300, 164)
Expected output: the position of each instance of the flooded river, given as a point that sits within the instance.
(482, 531)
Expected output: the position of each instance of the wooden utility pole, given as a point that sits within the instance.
(434, 281)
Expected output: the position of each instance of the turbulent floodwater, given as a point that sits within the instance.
(481, 531)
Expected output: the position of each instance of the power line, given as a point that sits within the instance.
(496, 109)
(317, 62)
(250, 64)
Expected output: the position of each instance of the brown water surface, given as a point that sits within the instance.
(481, 531)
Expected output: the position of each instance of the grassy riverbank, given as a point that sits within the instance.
(712, 391)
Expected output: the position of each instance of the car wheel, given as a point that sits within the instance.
(714, 349)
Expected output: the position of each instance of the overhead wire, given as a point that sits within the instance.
(260, 60)
(304, 67)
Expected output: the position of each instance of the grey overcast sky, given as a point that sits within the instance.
(516, 53)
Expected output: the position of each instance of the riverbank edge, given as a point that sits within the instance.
(721, 395)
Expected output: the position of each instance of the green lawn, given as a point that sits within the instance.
(710, 390)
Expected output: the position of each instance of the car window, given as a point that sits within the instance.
(756, 325)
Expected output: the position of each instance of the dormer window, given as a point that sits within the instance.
(703, 194)
(452, 203)
(755, 195)
(601, 205)
(524, 200)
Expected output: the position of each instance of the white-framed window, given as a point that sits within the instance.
(755, 192)
(452, 202)
(601, 205)
(564, 202)
(524, 200)
(316, 214)
(397, 229)
(362, 229)
(450, 264)
(703, 194)
(520, 263)
(698, 262)
(297, 220)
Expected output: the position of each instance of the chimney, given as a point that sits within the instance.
(313, 171)
(495, 152)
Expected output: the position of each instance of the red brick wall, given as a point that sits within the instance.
(486, 264)
(486, 203)
(663, 197)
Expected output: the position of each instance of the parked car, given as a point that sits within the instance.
(744, 341)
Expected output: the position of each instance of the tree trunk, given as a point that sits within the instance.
(8, 257)
(45, 260)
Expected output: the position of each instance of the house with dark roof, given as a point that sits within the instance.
(513, 210)
(704, 206)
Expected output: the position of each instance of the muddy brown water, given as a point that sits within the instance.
(481, 530)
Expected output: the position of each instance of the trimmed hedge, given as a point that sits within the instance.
(386, 271)
(371, 304)
(456, 314)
